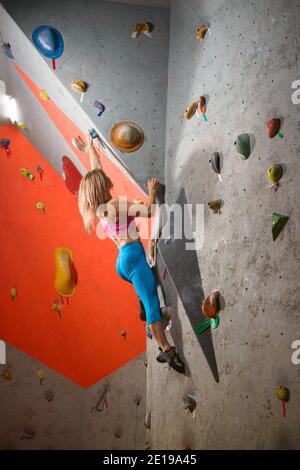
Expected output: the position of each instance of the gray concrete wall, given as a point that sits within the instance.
(245, 67)
(128, 76)
(67, 421)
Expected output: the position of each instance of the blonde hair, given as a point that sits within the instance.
(94, 190)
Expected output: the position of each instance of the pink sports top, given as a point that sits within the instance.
(116, 230)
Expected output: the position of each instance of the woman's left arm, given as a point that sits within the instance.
(94, 157)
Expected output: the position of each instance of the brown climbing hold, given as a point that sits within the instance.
(7, 374)
(201, 31)
(190, 403)
(49, 395)
(140, 28)
(215, 206)
(127, 136)
(190, 110)
(185, 447)
(27, 433)
(202, 105)
(79, 85)
(147, 422)
(117, 434)
(123, 333)
(211, 305)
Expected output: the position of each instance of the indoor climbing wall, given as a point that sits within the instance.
(45, 375)
(244, 66)
(128, 76)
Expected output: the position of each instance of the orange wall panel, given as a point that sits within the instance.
(85, 345)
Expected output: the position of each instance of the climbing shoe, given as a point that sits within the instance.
(174, 361)
(160, 357)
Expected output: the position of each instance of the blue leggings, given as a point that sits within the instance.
(132, 266)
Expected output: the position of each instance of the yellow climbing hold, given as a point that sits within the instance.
(44, 95)
(41, 376)
(64, 272)
(21, 125)
(40, 206)
(13, 293)
(26, 172)
(56, 308)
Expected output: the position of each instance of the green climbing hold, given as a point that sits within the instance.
(242, 146)
(209, 323)
(278, 223)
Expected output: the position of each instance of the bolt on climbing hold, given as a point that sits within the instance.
(127, 136)
(147, 421)
(80, 86)
(65, 275)
(44, 95)
(190, 110)
(117, 434)
(13, 293)
(190, 403)
(274, 128)
(100, 107)
(283, 394)
(243, 146)
(40, 206)
(201, 31)
(137, 401)
(49, 42)
(6, 374)
(21, 125)
(27, 433)
(27, 173)
(5, 144)
(123, 333)
(209, 323)
(211, 305)
(49, 395)
(215, 206)
(201, 107)
(185, 447)
(40, 171)
(146, 363)
(142, 28)
(215, 162)
(102, 402)
(169, 241)
(6, 49)
(278, 223)
(56, 308)
(41, 376)
(274, 174)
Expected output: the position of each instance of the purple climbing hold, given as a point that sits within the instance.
(100, 107)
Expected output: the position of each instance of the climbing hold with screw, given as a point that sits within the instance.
(13, 293)
(27, 173)
(283, 394)
(278, 223)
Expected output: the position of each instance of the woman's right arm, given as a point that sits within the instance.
(94, 157)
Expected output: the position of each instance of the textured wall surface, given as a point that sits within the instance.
(245, 67)
(30, 421)
(128, 76)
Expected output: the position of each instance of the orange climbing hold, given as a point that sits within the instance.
(65, 279)
(211, 305)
